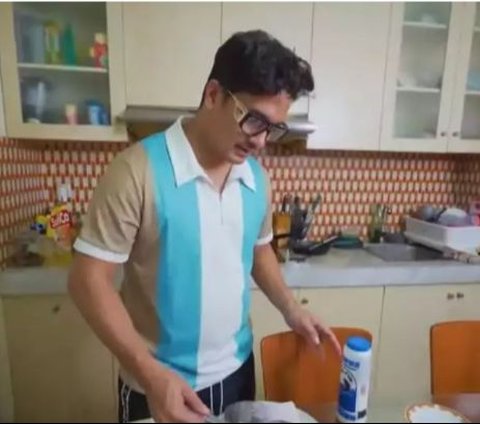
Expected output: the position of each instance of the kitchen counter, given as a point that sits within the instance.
(357, 268)
(339, 268)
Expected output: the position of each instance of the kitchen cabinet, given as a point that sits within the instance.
(266, 320)
(2, 116)
(169, 51)
(432, 94)
(53, 87)
(6, 398)
(348, 307)
(464, 133)
(349, 53)
(60, 371)
(409, 313)
(290, 23)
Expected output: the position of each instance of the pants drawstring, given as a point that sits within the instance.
(211, 400)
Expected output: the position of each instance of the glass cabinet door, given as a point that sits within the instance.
(62, 62)
(471, 110)
(421, 69)
(420, 75)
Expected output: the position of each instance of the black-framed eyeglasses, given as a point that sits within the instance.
(253, 123)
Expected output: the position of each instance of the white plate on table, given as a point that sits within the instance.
(432, 413)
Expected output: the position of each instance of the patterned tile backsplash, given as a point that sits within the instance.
(349, 181)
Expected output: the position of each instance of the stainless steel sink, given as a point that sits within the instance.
(403, 252)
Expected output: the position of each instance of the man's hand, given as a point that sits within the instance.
(311, 328)
(170, 399)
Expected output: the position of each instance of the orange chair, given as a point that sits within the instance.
(455, 357)
(295, 371)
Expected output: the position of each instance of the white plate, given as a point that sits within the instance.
(304, 418)
(431, 413)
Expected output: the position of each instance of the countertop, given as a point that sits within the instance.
(339, 268)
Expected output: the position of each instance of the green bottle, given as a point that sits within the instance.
(68, 46)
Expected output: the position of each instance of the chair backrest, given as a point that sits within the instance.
(295, 371)
(455, 357)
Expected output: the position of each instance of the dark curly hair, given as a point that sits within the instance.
(254, 62)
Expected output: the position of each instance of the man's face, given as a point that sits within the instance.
(230, 140)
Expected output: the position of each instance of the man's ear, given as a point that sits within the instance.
(212, 94)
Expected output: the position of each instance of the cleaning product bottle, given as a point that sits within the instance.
(52, 43)
(68, 46)
(376, 225)
(355, 381)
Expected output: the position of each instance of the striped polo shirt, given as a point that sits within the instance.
(187, 252)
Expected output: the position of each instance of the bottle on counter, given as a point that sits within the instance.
(355, 381)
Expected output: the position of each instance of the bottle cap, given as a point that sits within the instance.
(359, 344)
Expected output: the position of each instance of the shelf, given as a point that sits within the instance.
(63, 68)
(473, 93)
(425, 25)
(413, 89)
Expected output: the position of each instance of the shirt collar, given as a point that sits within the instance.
(186, 166)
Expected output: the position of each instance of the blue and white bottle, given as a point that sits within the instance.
(355, 381)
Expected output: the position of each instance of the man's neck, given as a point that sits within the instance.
(217, 169)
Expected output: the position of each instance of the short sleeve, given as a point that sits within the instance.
(114, 215)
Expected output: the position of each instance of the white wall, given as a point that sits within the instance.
(6, 397)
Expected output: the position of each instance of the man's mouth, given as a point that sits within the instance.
(245, 151)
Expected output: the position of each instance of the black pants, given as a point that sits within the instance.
(237, 387)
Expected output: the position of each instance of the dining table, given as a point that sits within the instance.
(393, 411)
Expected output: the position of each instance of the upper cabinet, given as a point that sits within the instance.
(2, 116)
(432, 95)
(62, 70)
(290, 22)
(349, 51)
(465, 122)
(169, 51)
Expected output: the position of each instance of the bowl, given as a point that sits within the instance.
(433, 413)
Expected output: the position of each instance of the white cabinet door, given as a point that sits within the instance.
(60, 371)
(465, 125)
(290, 22)
(266, 320)
(2, 116)
(169, 51)
(349, 52)
(420, 77)
(467, 305)
(6, 397)
(409, 313)
(348, 307)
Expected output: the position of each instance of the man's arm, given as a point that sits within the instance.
(268, 276)
(91, 285)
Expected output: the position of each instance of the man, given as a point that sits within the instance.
(189, 213)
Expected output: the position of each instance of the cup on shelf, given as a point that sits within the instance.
(427, 18)
(406, 80)
(71, 114)
(97, 113)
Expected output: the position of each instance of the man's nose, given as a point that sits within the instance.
(258, 141)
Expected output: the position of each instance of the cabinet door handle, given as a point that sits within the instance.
(450, 296)
(456, 133)
(304, 301)
(56, 309)
(443, 134)
(460, 295)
